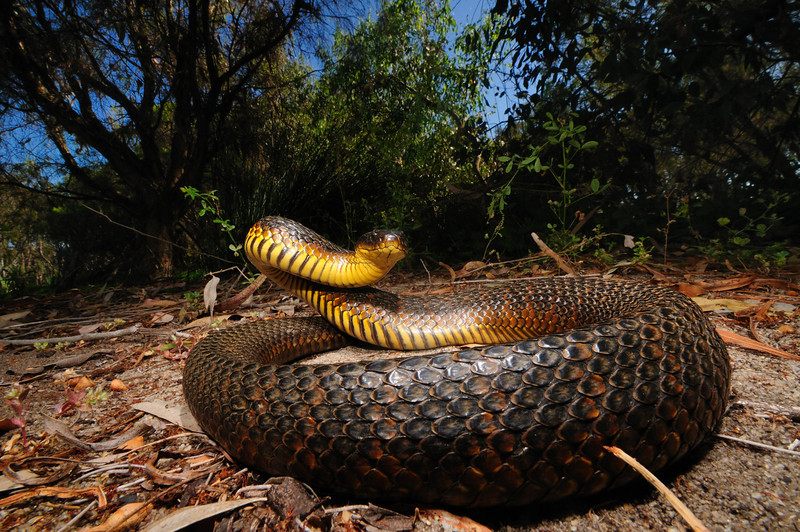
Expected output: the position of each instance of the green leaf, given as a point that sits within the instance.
(595, 185)
(723, 221)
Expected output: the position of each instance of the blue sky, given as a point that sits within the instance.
(468, 12)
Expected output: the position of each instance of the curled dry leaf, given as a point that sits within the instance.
(89, 328)
(160, 318)
(210, 293)
(118, 386)
(133, 443)
(126, 517)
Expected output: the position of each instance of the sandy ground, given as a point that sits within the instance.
(728, 485)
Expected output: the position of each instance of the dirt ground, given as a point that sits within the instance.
(93, 479)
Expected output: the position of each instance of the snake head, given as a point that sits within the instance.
(384, 247)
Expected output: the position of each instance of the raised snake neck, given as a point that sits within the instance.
(606, 363)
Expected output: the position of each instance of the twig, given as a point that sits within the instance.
(233, 302)
(68, 525)
(759, 445)
(88, 336)
(673, 499)
(425, 266)
(553, 255)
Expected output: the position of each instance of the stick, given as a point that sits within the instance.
(673, 499)
(759, 445)
(233, 302)
(88, 336)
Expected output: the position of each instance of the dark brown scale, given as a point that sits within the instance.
(504, 425)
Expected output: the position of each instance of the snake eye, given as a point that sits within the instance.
(382, 237)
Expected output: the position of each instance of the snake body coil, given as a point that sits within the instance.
(596, 363)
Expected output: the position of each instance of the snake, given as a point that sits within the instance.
(551, 371)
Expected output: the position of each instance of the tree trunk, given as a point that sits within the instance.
(160, 248)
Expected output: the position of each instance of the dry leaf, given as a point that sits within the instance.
(6, 484)
(89, 328)
(147, 303)
(179, 415)
(54, 426)
(691, 289)
(442, 521)
(161, 318)
(55, 491)
(628, 242)
(127, 516)
(733, 283)
(133, 443)
(83, 383)
(117, 385)
(210, 293)
(205, 320)
(194, 514)
(732, 305)
(748, 343)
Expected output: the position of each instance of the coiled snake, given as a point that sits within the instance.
(596, 363)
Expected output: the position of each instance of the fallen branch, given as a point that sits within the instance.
(77, 338)
(673, 499)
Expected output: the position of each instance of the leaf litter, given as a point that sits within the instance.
(130, 456)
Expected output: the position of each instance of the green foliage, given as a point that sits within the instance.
(568, 140)
(756, 225)
(691, 109)
(27, 253)
(96, 395)
(209, 204)
(397, 105)
(743, 237)
(194, 298)
(687, 100)
(641, 253)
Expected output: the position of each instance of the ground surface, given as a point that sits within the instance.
(728, 485)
